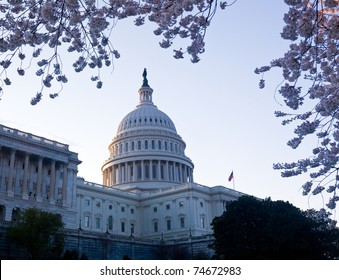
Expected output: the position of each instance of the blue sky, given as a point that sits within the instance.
(226, 121)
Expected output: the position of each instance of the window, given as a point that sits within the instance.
(132, 228)
(98, 204)
(201, 204)
(147, 171)
(155, 209)
(132, 210)
(162, 172)
(202, 222)
(87, 202)
(154, 171)
(182, 222)
(153, 144)
(139, 145)
(110, 223)
(168, 224)
(122, 226)
(86, 221)
(97, 222)
(122, 209)
(146, 144)
(168, 206)
(126, 147)
(110, 207)
(132, 146)
(159, 145)
(131, 172)
(181, 204)
(139, 171)
(155, 226)
(166, 146)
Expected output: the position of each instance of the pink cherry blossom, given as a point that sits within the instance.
(312, 60)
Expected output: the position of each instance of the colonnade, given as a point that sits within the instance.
(147, 170)
(31, 180)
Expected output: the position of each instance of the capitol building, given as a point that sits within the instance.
(147, 191)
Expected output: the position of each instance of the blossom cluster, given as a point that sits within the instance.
(310, 69)
(84, 26)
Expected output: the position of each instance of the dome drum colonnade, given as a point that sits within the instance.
(147, 147)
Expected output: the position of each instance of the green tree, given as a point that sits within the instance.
(40, 232)
(264, 229)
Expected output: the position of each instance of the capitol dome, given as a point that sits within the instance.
(146, 116)
(146, 152)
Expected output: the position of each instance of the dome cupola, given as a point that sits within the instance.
(146, 152)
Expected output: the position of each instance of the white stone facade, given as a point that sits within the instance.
(35, 171)
(148, 189)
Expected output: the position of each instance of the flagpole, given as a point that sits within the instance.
(233, 181)
(231, 177)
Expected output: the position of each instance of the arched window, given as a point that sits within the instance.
(146, 144)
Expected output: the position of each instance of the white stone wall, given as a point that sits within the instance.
(178, 211)
(36, 172)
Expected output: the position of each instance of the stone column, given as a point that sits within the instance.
(150, 170)
(119, 173)
(64, 186)
(113, 175)
(39, 181)
(128, 173)
(180, 172)
(25, 180)
(166, 171)
(10, 189)
(51, 194)
(191, 174)
(185, 174)
(104, 177)
(170, 171)
(134, 171)
(192, 179)
(109, 175)
(125, 168)
(142, 170)
(175, 169)
(159, 170)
